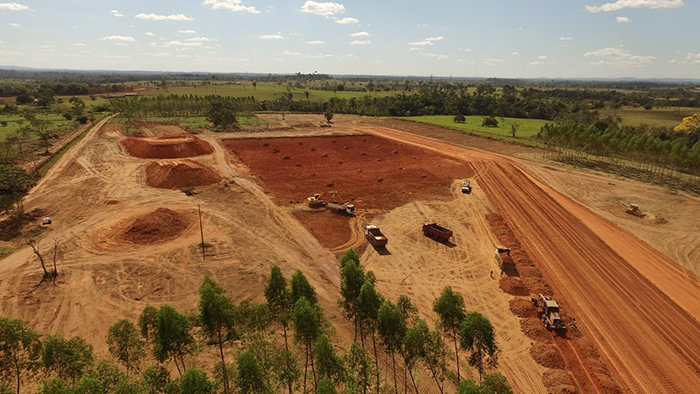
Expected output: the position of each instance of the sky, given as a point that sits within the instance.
(458, 38)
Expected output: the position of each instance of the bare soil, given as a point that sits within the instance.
(167, 147)
(180, 174)
(155, 227)
(632, 310)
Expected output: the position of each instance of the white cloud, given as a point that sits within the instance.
(515, 53)
(14, 7)
(116, 13)
(623, 19)
(565, 38)
(415, 49)
(693, 58)
(315, 42)
(439, 57)
(533, 64)
(542, 57)
(118, 38)
(198, 39)
(426, 41)
(360, 34)
(14, 25)
(231, 5)
(420, 44)
(347, 21)
(148, 33)
(161, 54)
(182, 44)
(289, 53)
(277, 36)
(323, 9)
(469, 50)
(627, 4)
(154, 17)
(190, 31)
(2, 53)
(361, 42)
(78, 44)
(492, 61)
(320, 56)
(620, 56)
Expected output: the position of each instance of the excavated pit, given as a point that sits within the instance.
(167, 147)
(180, 174)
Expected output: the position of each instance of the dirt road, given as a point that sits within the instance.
(639, 307)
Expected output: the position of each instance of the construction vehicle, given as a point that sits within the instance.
(503, 257)
(347, 208)
(375, 236)
(317, 201)
(633, 209)
(466, 187)
(549, 312)
(439, 233)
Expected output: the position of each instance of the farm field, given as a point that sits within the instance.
(612, 274)
(670, 117)
(526, 130)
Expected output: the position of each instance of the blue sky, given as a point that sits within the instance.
(460, 38)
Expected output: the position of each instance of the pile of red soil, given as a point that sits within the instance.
(513, 286)
(158, 226)
(178, 175)
(547, 355)
(330, 228)
(167, 147)
(558, 382)
(523, 307)
(534, 329)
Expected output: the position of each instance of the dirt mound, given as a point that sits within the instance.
(534, 329)
(158, 226)
(558, 382)
(522, 307)
(178, 175)
(167, 147)
(547, 355)
(514, 286)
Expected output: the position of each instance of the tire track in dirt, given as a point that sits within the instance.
(650, 341)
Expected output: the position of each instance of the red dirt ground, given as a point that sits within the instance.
(158, 226)
(372, 172)
(167, 147)
(180, 174)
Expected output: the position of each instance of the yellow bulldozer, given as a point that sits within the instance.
(633, 209)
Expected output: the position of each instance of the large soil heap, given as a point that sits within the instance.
(158, 226)
(167, 147)
(180, 174)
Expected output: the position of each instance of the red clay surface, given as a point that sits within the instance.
(167, 147)
(181, 174)
(373, 172)
(155, 227)
(637, 306)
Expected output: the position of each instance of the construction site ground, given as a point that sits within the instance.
(127, 237)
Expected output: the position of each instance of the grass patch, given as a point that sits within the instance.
(15, 122)
(6, 251)
(199, 122)
(668, 116)
(47, 166)
(527, 129)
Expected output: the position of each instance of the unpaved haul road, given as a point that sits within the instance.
(640, 309)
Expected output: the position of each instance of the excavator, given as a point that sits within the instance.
(317, 201)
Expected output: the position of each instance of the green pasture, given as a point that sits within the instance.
(526, 130)
(15, 122)
(667, 116)
(199, 122)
